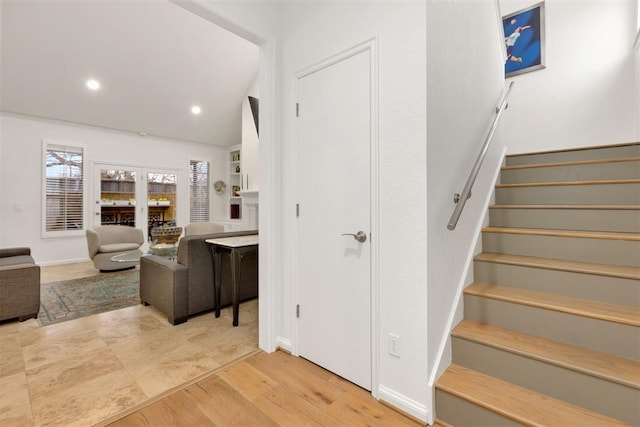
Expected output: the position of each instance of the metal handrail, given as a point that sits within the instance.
(461, 198)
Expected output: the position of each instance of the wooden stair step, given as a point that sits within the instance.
(592, 309)
(570, 163)
(575, 207)
(515, 402)
(564, 233)
(595, 363)
(631, 149)
(625, 272)
(568, 183)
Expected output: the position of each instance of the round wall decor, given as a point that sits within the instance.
(220, 187)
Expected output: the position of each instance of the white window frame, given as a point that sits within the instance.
(200, 218)
(49, 144)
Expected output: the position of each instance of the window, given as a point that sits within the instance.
(64, 189)
(198, 191)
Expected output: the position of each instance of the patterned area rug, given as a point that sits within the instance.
(71, 299)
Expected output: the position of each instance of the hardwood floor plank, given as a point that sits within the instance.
(269, 390)
(290, 407)
(247, 380)
(354, 407)
(226, 406)
(303, 376)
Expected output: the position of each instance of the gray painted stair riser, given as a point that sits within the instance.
(610, 220)
(581, 172)
(600, 251)
(576, 155)
(591, 194)
(460, 413)
(578, 388)
(612, 290)
(599, 335)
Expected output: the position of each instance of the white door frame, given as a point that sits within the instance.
(369, 46)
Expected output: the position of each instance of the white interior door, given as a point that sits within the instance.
(334, 270)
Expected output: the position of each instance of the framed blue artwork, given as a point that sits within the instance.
(524, 39)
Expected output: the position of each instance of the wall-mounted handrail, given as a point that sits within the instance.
(461, 198)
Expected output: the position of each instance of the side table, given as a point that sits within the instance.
(236, 247)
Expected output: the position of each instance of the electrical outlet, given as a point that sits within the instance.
(394, 345)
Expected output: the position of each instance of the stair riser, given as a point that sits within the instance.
(601, 251)
(595, 194)
(597, 394)
(584, 172)
(613, 290)
(617, 221)
(599, 335)
(459, 412)
(576, 155)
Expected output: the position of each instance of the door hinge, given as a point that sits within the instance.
(297, 210)
(298, 310)
(297, 109)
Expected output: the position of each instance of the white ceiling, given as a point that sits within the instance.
(154, 60)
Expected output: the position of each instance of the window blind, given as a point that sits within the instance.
(64, 196)
(199, 191)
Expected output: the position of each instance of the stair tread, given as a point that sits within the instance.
(603, 365)
(576, 207)
(564, 233)
(571, 163)
(626, 272)
(517, 403)
(598, 310)
(566, 183)
(569, 150)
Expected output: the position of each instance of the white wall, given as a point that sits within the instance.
(21, 174)
(465, 81)
(583, 96)
(311, 32)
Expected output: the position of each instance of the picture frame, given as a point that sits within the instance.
(524, 36)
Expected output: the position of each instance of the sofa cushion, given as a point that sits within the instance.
(15, 260)
(118, 247)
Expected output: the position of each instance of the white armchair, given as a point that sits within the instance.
(105, 241)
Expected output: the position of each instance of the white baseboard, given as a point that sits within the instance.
(62, 262)
(284, 343)
(403, 403)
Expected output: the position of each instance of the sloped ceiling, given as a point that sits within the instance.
(154, 60)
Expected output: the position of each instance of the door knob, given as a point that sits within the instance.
(360, 236)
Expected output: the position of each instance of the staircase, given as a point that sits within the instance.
(551, 329)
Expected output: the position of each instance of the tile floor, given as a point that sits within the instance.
(83, 371)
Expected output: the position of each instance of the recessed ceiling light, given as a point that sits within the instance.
(93, 84)
(196, 110)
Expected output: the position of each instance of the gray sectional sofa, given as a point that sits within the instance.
(19, 284)
(184, 287)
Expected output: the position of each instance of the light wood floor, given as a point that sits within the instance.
(268, 390)
(133, 363)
